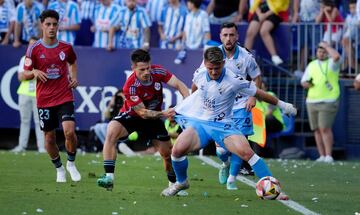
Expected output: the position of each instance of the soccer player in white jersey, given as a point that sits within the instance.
(171, 25)
(242, 63)
(207, 115)
(105, 17)
(69, 19)
(197, 26)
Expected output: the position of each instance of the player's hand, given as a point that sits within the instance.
(169, 112)
(73, 83)
(40, 75)
(250, 103)
(287, 108)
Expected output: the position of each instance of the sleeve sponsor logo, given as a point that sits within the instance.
(157, 86)
(28, 61)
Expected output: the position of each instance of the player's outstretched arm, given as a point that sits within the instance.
(144, 113)
(179, 85)
(286, 107)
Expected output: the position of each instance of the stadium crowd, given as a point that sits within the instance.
(182, 24)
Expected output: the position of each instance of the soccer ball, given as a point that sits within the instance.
(268, 188)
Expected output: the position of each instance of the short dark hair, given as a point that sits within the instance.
(214, 55)
(140, 55)
(49, 13)
(197, 3)
(228, 25)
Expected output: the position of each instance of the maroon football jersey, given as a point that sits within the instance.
(151, 94)
(53, 60)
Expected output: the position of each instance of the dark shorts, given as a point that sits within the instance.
(274, 19)
(150, 128)
(50, 117)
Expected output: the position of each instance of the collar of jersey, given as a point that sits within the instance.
(47, 46)
(217, 80)
(236, 54)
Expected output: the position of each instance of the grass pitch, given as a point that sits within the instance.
(27, 186)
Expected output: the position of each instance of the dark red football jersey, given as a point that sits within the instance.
(151, 94)
(53, 60)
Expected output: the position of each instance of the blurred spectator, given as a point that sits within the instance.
(105, 17)
(357, 82)
(7, 21)
(27, 21)
(331, 17)
(69, 19)
(231, 11)
(85, 37)
(305, 12)
(154, 9)
(265, 16)
(135, 26)
(110, 112)
(197, 26)
(321, 78)
(351, 32)
(171, 25)
(27, 109)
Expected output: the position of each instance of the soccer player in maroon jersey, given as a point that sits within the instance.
(142, 112)
(53, 64)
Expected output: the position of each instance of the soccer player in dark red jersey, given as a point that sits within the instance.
(142, 112)
(53, 64)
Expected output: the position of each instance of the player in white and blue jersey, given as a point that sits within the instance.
(106, 16)
(206, 115)
(7, 20)
(69, 19)
(242, 63)
(27, 21)
(197, 26)
(171, 25)
(154, 8)
(135, 26)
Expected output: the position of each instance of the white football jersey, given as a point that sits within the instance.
(214, 99)
(243, 64)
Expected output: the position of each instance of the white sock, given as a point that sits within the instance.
(231, 178)
(70, 163)
(60, 169)
(111, 175)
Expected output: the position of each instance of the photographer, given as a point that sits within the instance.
(321, 79)
(111, 111)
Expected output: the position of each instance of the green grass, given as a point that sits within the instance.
(27, 183)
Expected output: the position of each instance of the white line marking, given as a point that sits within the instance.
(291, 204)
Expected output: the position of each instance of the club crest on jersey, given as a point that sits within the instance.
(157, 86)
(134, 98)
(62, 56)
(28, 61)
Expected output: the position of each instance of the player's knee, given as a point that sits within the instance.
(69, 134)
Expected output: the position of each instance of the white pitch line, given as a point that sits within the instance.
(289, 203)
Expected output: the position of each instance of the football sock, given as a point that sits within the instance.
(109, 166)
(259, 166)
(71, 156)
(231, 178)
(222, 154)
(57, 162)
(235, 164)
(171, 177)
(180, 166)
